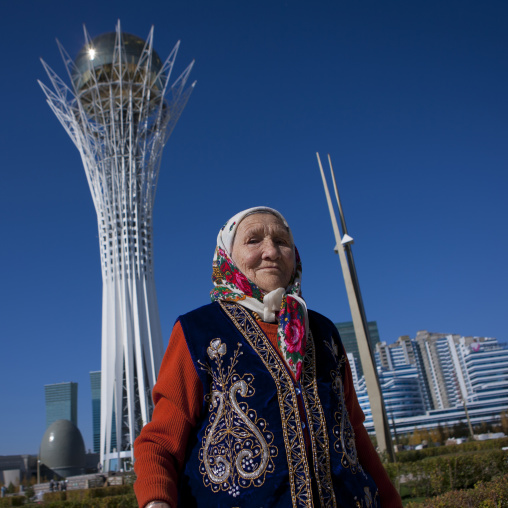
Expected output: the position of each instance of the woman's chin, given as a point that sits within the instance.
(269, 284)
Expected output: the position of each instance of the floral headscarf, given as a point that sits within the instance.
(232, 285)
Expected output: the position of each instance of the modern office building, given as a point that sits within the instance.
(95, 383)
(61, 402)
(119, 111)
(348, 337)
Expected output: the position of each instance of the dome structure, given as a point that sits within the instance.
(63, 449)
(113, 58)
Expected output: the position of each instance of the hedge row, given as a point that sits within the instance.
(86, 495)
(12, 501)
(492, 494)
(436, 475)
(470, 446)
(119, 501)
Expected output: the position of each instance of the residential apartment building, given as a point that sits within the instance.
(399, 380)
(428, 380)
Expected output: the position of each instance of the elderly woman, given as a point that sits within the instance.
(254, 404)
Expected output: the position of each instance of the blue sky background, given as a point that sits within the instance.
(408, 97)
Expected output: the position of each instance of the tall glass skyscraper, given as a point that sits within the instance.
(348, 337)
(95, 383)
(61, 402)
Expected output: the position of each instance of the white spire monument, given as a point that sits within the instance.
(119, 112)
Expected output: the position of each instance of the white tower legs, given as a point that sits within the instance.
(131, 355)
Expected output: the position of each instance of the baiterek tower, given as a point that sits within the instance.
(119, 111)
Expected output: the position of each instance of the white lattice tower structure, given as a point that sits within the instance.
(119, 113)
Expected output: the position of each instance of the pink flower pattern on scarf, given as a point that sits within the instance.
(231, 284)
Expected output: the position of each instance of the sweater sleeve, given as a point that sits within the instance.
(159, 450)
(367, 455)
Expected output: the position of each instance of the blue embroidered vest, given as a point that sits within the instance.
(249, 448)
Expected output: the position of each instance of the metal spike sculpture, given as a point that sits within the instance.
(119, 113)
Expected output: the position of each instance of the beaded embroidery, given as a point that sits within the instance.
(369, 500)
(299, 474)
(237, 447)
(343, 430)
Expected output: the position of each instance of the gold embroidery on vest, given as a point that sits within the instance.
(237, 447)
(299, 473)
(368, 501)
(343, 430)
(317, 427)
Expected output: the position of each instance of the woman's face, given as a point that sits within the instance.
(263, 251)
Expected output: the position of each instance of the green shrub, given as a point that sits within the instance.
(437, 475)
(493, 494)
(65, 504)
(124, 501)
(55, 496)
(116, 496)
(12, 501)
(116, 490)
(117, 501)
(470, 446)
(76, 495)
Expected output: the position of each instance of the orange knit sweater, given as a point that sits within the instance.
(178, 396)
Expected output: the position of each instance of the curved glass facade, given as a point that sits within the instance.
(98, 57)
(424, 381)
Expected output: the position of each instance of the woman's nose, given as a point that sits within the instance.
(270, 249)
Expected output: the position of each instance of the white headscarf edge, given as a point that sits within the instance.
(226, 235)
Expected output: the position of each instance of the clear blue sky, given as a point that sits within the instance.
(409, 98)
